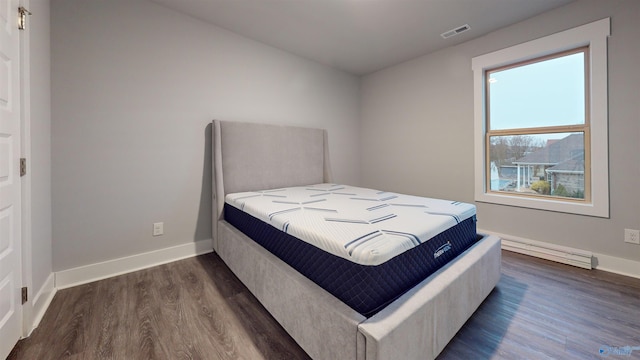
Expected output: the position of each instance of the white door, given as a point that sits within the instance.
(10, 243)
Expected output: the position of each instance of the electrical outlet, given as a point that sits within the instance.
(158, 229)
(632, 236)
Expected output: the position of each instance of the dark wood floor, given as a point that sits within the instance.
(197, 309)
(545, 310)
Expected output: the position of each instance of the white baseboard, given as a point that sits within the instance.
(42, 300)
(567, 255)
(93, 272)
(557, 253)
(618, 265)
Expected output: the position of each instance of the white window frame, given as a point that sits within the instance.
(595, 36)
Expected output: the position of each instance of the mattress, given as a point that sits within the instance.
(365, 247)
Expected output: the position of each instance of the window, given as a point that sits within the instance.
(537, 122)
(541, 123)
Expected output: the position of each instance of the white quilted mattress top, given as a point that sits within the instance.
(362, 225)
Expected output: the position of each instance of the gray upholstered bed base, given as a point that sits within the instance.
(418, 325)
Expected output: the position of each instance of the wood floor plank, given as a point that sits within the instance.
(73, 329)
(210, 314)
(197, 309)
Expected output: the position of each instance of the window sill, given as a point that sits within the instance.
(572, 207)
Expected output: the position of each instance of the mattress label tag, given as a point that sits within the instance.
(442, 249)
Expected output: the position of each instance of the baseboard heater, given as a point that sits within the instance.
(557, 253)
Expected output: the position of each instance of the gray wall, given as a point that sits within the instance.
(40, 142)
(134, 89)
(417, 130)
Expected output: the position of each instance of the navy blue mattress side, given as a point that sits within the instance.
(366, 289)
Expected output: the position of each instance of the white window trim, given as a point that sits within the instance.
(595, 35)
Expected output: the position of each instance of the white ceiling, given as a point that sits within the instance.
(360, 36)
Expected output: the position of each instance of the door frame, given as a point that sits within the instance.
(12, 255)
(25, 186)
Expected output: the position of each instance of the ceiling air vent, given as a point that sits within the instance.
(456, 31)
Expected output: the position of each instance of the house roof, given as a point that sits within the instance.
(575, 166)
(563, 150)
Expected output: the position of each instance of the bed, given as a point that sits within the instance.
(416, 324)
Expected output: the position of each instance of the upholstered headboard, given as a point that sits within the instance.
(249, 157)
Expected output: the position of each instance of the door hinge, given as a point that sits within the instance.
(24, 295)
(23, 166)
(22, 18)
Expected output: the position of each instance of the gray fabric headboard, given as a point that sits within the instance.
(249, 157)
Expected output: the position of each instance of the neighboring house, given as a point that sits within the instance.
(561, 162)
(569, 173)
